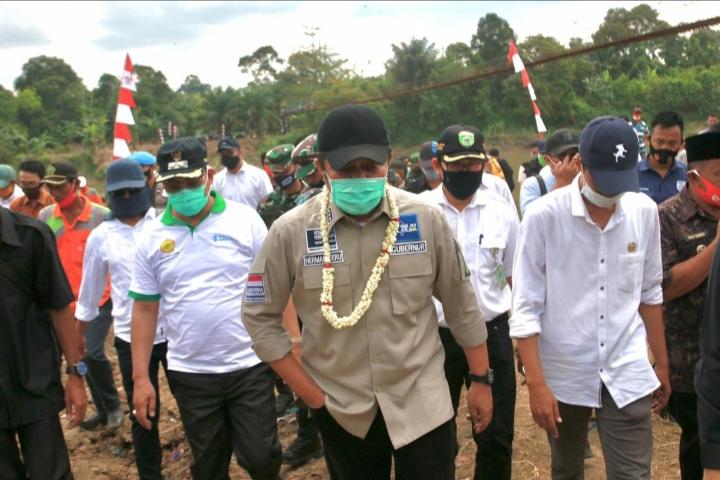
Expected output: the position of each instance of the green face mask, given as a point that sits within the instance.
(357, 196)
(541, 160)
(189, 201)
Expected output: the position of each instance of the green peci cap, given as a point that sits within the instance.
(280, 155)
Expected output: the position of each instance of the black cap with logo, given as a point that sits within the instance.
(351, 132)
(561, 141)
(609, 149)
(228, 143)
(182, 157)
(457, 142)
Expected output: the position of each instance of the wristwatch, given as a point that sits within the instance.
(486, 379)
(79, 369)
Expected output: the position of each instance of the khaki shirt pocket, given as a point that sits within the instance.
(342, 288)
(411, 282)
(630, 271)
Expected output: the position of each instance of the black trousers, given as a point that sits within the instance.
(44, 454)
(683, 407)
(99, 378)
(493, 460)
(226, 412)
(430, 457)
(146, 443)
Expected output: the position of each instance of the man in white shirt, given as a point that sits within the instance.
(193, 264)
(587, 300)
(560, 171)
(485, 228)
(240, 181)
(110, 250)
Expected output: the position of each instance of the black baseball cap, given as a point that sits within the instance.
(182, 157)
(460, 141)
(561, 141)
(228, 143)
(704, 146)
(609, 150)
(60, 172)
(351, 132)
(124, 173)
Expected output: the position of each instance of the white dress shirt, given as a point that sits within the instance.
(110, 249)
(486, 230)
(249, 186)
(491, 183)
(17, 193)
(580, 287)
(530, 188)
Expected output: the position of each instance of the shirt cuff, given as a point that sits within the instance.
(144, 297)
(273, 349)
(86, 314)
(652, 297)
(471, 336)
(524, 326)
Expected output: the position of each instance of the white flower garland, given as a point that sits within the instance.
(328, 273)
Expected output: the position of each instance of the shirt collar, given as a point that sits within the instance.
(688, 207)
(219, 206)
(478, 199)
(579, 209)
(7, 228)
(644, 166)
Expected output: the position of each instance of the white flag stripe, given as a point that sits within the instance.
(124, 115)
(120, 148)
(540, 125)
(128, 80)
(531, 91)
(517, 63)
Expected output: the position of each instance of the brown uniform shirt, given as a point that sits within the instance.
(685, 231)
(32, 208)
(392, 358)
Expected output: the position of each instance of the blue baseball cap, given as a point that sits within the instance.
(609, 150)
(125, 173)
(143, 158)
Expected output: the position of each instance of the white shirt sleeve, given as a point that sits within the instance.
(529, 278)
(529, 192)
(144, 283)
(94, 278)
(259, 232)
(266, 187)
(521, 175)
(513, 227)
(651, 290)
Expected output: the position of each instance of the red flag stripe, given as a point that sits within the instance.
(125, 97)
(122, 131)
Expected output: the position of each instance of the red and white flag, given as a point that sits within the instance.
(123, 115)
(514, 57)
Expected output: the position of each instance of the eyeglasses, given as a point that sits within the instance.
(463, 166)
(124, 192)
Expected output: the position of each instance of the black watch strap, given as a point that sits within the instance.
(486, 379)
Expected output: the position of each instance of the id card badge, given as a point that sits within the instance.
(500, 276)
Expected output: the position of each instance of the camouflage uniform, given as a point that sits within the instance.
(686, 230)
(279, 201)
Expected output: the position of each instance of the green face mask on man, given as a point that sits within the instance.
(357, 196)
(188, 202)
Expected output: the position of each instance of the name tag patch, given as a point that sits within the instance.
(219, 237)
(409, 248)
(317, 259)
(313, 240)
(409, 229)
(255, 290)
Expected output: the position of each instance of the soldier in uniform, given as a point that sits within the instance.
(689, 227)
(362, 262)
(288, 185)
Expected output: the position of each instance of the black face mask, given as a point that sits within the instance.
(284, 181)
(664, 155)
(136, 204)
(230, 162)
(32, 193)
(462, 185)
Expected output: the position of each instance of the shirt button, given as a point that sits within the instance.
(602, 370)
(602, 260)
(602, 345)
(602, 316)
(602, 288)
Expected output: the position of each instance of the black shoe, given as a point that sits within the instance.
(302, 450)
(97, 420)
(283, 402)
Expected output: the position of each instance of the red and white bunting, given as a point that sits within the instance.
(123, 115)
(514, 57)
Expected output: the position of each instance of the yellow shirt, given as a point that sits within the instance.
(392, 359)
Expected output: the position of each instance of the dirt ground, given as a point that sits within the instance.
(108, 455)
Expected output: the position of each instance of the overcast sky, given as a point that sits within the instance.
(207, 38)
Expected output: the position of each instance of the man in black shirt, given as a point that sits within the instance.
(35, 317)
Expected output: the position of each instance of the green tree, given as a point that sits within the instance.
(155, 101)
(60, 90)
(221, 107)
(104, 103)
(490, 41)
(702, 49)
(262, 64)
(8, 108)
(30, 112)
(192, 84)
(412, 62)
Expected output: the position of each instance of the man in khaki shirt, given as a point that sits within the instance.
(374, 380)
